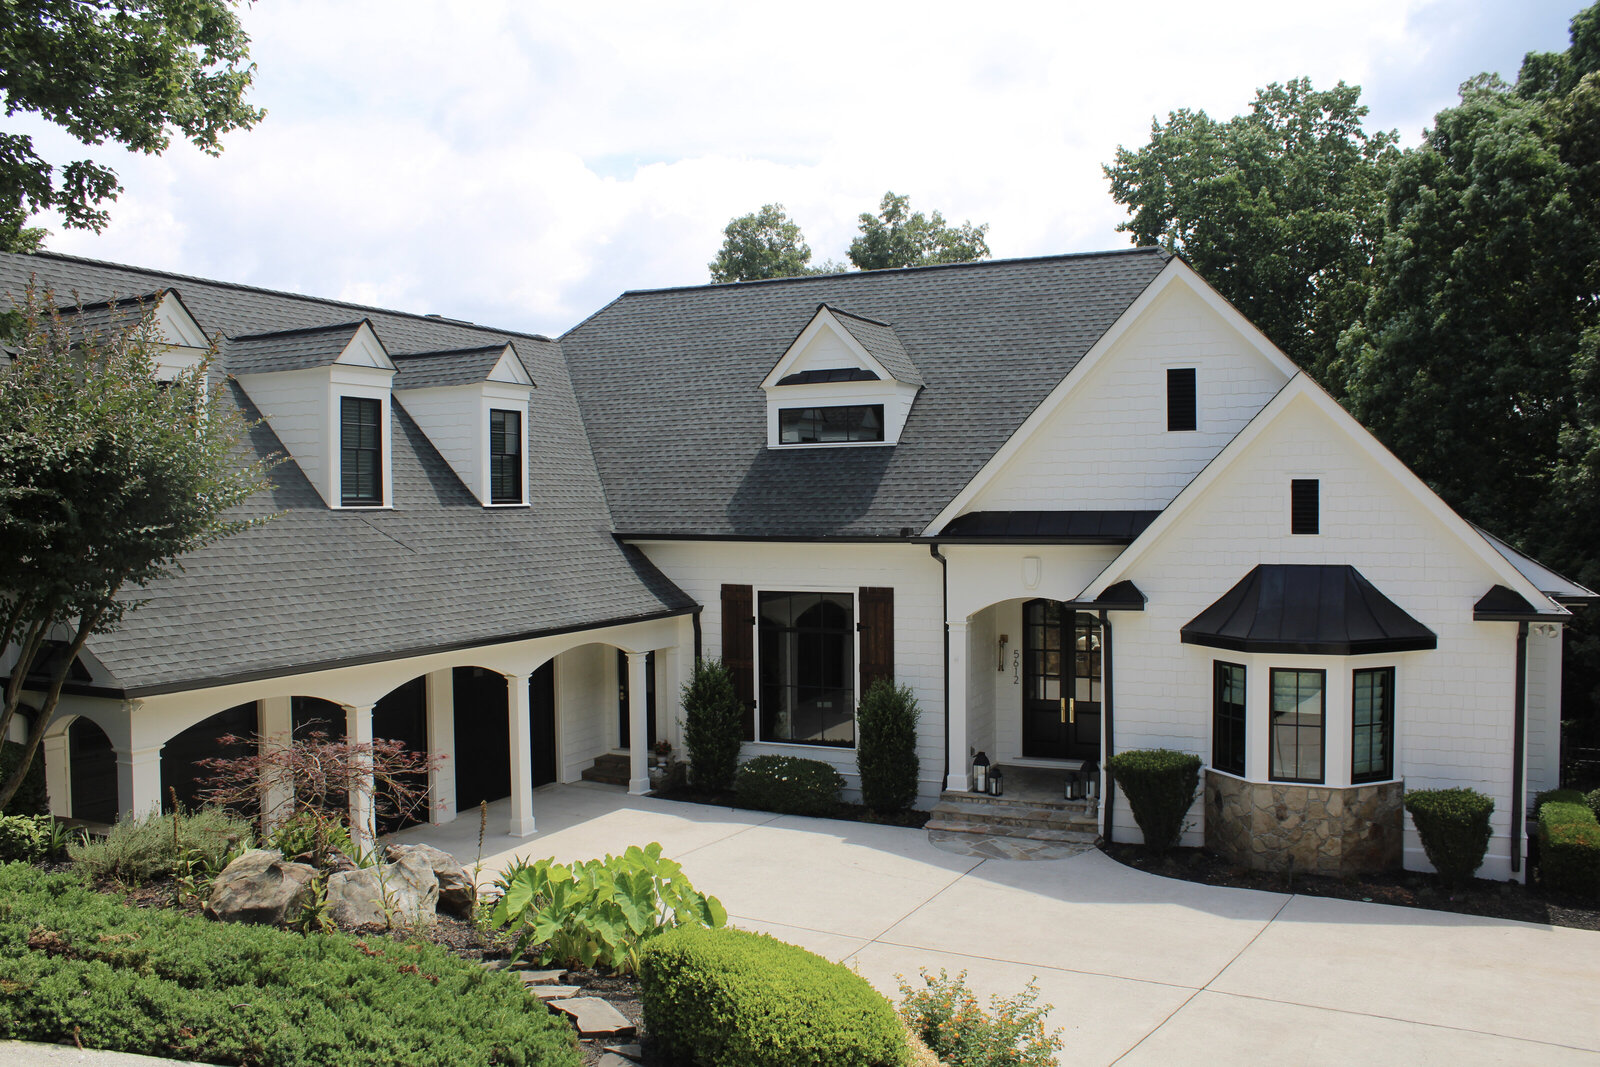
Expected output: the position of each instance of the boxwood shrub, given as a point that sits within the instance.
(1569, 848)
(712, 724)
(729, 998)
(1160, 785)
(77, 964)
(1454, 827)
(1592, 798)
(886, 750)
(789, 785)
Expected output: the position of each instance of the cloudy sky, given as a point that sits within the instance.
(521, 163)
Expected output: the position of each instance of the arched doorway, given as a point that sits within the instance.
(181, 756)
(482, 733)
(93, 766)
(402, 716)
(1061, 679)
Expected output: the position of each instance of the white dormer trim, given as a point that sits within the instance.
(365, 350)
(510, 371)
(824, 321)
(181, 345)
(456, 420)
(367, 382)
(843, 352)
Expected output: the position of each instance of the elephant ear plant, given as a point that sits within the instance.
(600, 912)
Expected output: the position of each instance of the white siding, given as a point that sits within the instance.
(450, 419)
(586, 701)
(295, 405)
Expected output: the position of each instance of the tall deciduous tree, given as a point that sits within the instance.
(762, 244)
(899, 237)
(130, 71)
(107, 476)
(1280, 209)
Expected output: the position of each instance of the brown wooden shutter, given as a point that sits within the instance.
(739, 649)
(877, 635)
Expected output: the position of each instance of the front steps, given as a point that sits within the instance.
(610, 769)
(1031, 818)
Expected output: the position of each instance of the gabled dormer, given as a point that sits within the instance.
(844, 381)
(325, 392)
(179, 343)
(473, 405)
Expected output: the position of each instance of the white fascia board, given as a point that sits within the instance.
(510, 370)
(351, 374)
(365, 350)
(515, 394)
(823, 320)
(177, 327)
(1176, 272)
(1301, 387)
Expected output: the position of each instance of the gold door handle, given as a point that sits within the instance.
(1072, 710)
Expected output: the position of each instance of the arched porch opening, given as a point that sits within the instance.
(181, 773)
(92, 772)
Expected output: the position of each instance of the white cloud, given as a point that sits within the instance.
(525, 163)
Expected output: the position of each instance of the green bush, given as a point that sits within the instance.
(789, 785)
(158, 846)
(31, 797)
(1454, 827)
(728, 998)
(78, 965)
(1160, 785)
(713, 725)
(1558, 796)
(24, 838)
(1592, 798)
(886, 747)
(946, 1015)
(307, 831)
(1569, 848)
(602, 911)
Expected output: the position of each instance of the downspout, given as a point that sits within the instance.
(696, 618)
(1107, 672)
(944, 613)
(1519, 746)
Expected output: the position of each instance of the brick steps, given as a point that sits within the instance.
(610, 769)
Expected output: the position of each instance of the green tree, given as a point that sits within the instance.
(1280, 209)
(107, 476)
(130, 71)
(762, 244)
(886, 750)
(712, 725)
(899, 237)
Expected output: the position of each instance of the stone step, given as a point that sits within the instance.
(1027, 818)
(555, 992)
(1087, 837)
(594, 1017)
(1051, 803)
(609, 769)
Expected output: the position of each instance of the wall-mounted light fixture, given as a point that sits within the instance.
(1001, 661)
(1546, 629)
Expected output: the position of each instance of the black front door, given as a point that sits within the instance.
(1061, 682)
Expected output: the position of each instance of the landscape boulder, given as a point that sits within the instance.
(457, 893)
(405, 892)
(260, 887)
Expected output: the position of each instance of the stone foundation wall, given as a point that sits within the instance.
(1322, 829)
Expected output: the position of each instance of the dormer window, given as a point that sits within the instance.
(845, 381)
(505, 457)
(360, 452)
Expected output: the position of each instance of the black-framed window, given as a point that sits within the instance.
(807, 645)
(505, 457)
(1182, 413)
(1299, 710)
(1305, 506)
(820, 426)
(1372, 725)
(360, 450)
(1227, 718)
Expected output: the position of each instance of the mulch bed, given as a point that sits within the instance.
(1410, 889)
(727, 798)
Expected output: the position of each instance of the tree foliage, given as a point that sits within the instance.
(131, 71)
(762, 244)
(899, 237)
(107, 476)
(1280, 209)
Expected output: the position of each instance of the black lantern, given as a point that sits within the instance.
(1076, 786)
(997, 783)
(1091, 780)
(980, 773)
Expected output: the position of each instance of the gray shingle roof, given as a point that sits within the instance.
(463, 366)
(317, 586)
(105, 317)
(669, 383)
(880, 340)
(283, 350)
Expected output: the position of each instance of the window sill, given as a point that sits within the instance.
(520, 504)
(845, 746)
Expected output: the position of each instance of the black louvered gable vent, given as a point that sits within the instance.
(1181, 414)
(1305, 506)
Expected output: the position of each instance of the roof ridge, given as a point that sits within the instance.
(431, 353)
(285, 293)
(853, 315)
(299, 330)
(113, 301)
(975, 264)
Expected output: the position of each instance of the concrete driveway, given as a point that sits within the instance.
(1141, 969)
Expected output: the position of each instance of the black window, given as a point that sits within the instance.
(1181, 414)
(1372, 740)
(1298, 703)
(807, 651)
(1227, 719)
(505, 457)
(360, 451)
(1305, 506)
(817, 426)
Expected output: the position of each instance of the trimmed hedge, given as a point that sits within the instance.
(1569, 848)
(729, 998)
(24, 838)
(75, 963)
(886, 747)
(713, 721)
(1160, 785)
(789, 785)
(1592, 798)
(31, 798)
(1454, 827)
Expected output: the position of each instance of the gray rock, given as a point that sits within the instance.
(260, 887)
(404, 892)
(594, 1017)
(554, 992)
(457, 894)
(612, 1059)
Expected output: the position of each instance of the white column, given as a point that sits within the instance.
(638, 736)
(58, 772)
(521, 740)
(957, 684)
(275, 724)
(358, 731)
(441, 690)
(138, 781)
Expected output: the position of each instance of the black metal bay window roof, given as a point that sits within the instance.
(1310, 610)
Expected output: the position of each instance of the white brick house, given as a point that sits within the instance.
(1078, 504)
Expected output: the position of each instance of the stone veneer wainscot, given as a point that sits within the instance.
(1321, 829)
